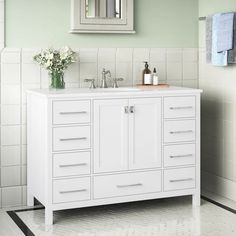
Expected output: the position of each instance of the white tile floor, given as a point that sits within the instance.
(166, 217)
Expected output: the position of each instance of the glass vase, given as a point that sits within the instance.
(57, 80)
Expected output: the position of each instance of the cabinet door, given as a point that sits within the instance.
(110, 135)
(145, 133)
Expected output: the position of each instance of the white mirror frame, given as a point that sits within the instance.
(81, 24)
(2, 24)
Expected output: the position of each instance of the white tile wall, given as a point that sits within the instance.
(2, 24)
(19, 73)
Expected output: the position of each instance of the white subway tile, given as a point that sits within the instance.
(2, 35)
(10, 155)
(157, 55)
(124, 54)
(2, 9)
(45, 80)
(11, 56)
(141, 54)
(174, 71)
(190, 70)
(10, 94)
(24, 134)
(88, 55)
(11, 196)
(10, 115)
(190, 83)
(106, 54)
(10, 176)
(178, 83)
(190, 55)
(24, 154)
(30, 74)
(10, 74)
(138, 68)
(10, 135)
(24, 175)
(174, 55)
(28, 54)
(72, 74)
(24, 195)
(23, 115)
(124, 70)
(87, 71)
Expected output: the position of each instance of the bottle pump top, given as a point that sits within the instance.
(146, 64)
(155, 70)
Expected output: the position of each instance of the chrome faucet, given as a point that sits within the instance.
(104, 77)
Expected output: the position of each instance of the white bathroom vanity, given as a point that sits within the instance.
(105, 146)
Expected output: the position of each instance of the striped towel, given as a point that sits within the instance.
(209, 20)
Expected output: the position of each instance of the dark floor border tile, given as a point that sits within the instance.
(24, 228)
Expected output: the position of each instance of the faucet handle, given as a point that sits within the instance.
(92, 86)
(115, 80)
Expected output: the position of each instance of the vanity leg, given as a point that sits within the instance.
(30, 199)
(48, 216)
(196, 200)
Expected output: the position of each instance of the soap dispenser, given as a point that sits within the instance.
(155, 77)
(147, 75)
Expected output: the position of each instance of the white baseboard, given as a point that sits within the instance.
(218, 185)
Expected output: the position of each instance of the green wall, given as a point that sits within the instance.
(207, 7)
(159, 23)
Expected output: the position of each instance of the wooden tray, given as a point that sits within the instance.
(152, 87)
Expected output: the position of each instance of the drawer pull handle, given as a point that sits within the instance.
(181, 108)
(179, 156)
(181, 180)
(73, 113)
(72, 139)
(73, 191)
(181, 132)
(73, 165)
(129, 185)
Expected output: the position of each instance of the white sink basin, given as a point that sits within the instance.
(116, 89)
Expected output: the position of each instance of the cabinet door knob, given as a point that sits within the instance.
(132, 110)
(126, 109)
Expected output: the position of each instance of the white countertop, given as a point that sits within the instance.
(126, 91)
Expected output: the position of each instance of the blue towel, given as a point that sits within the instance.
(218, 59)
(225, 32)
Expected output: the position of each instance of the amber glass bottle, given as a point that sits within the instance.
(147, 75)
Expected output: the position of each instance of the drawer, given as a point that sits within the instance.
(69, 164)
(71, 138)
(71, 190)
(179, 131)
(179, 155)
(179, 107)
(178, 179)
(71, 112)
(127, 184)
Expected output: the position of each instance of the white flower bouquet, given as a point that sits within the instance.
(56, 62)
